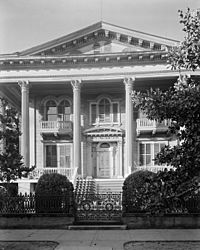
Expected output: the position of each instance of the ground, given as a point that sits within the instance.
(164, 245)
(30, 245)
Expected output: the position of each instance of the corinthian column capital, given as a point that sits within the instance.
(24, 85)
(76, 84)
(129, 81)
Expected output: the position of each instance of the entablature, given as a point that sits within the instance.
(104, 131)
(54, 62)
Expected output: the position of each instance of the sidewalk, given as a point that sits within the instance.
(99, 239)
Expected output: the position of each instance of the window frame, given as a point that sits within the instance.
(97, 119)
(58, 154)
(60, 117)
(152, 151)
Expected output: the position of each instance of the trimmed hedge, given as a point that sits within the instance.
(54, 194)
(134, 197)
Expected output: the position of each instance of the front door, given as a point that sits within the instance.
(104, 161)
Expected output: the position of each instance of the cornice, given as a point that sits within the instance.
(112, 59)
(100, 31)
(52, 78)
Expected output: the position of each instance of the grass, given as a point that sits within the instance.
(28, 245)
(162, 245)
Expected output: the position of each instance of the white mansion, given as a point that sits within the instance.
(74, 94)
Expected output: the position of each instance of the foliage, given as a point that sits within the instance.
(53, 191)
(135, 190)
(181, 104)
(11, 164)
(11, 188)
(53, 184)
(187, 54)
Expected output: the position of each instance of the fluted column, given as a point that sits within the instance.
(2, 126)
(25, 148)
(129, 126)
(76, 84)
(120, 158)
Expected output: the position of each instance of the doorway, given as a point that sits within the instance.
(104, 161)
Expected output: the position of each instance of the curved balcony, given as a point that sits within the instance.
(146, 125)
(56, 127)
(154, 168)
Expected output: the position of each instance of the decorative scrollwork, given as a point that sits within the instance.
(99, 207)
(109, 206)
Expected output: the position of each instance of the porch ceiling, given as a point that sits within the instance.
(97, 87)
(112, 86)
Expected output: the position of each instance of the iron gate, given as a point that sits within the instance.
(101, 208)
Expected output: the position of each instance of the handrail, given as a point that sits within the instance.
(37, 172)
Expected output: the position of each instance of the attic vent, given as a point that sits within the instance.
(96, 48)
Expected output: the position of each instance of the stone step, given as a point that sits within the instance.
(97, 227)
(109, 185)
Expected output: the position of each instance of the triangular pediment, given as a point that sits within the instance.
(101, 38)
(103, 47)
(104, 131)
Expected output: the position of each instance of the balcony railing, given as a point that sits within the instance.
(68, 172)
(146, 125)
(154, 169)
(56, 126)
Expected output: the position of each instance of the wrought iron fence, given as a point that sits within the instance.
(32, 204)
(90, 205)
(97, 207)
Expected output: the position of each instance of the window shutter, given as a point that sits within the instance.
(93, 113)
(65, 156)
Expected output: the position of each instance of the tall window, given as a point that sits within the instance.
(51, 156)
(104, 111)
(64, 111)
(65, 156)
(57, 112)
(51, 111)
(148, 151)
(58, 156)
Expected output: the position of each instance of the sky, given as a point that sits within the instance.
(27, 23)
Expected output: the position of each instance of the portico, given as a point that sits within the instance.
(115, 137)
(74, 96)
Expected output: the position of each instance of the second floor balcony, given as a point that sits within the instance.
(56, 127)
(146, 125)
(153, 168)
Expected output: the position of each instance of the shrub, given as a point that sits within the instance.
(12, 188)
(135, 198)
(54, 194)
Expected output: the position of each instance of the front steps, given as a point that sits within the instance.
(109, 185)
(88, 185)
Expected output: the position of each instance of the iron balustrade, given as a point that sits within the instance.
(86, 207)
(32, 204)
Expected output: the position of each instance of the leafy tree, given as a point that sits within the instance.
(181, 104)
(187, 54)
(11, 164)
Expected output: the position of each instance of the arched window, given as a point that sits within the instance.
(64, 111)
(104, 110)
(55, 111)
(51, 110)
